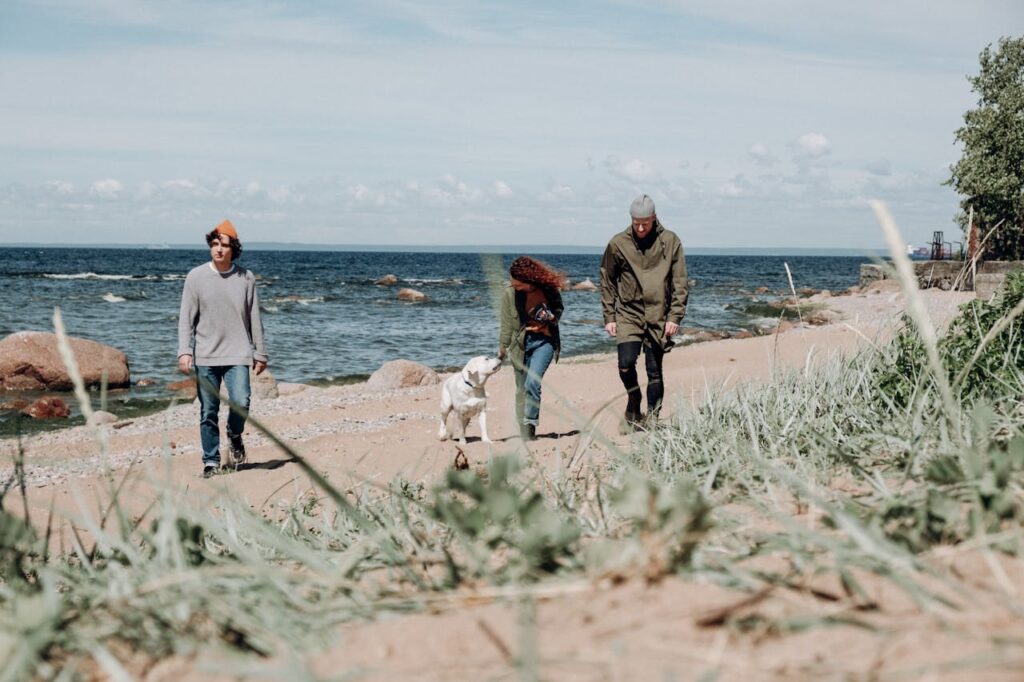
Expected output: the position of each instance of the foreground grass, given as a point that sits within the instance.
(819, 483)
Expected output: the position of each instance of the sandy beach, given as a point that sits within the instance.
(586, 629)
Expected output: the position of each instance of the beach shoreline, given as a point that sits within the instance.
(577, 389)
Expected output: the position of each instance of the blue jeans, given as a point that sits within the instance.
(236, 378)
(539, 351)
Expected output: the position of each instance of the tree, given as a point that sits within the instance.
(990, 174)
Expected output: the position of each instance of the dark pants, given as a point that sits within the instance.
(629, 351)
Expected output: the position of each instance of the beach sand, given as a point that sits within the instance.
(587, 631)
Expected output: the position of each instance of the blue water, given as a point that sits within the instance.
(326, 320)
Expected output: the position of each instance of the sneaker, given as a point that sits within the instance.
(210, 470)
(236, 451)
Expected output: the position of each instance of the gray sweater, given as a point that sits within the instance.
(219, 323)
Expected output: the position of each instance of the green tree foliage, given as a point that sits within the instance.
(990, 175)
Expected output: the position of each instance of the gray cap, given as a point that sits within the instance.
(642, 207)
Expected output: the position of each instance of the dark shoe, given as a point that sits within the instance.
(528, 432)
(210, 470)
(631, 422)
(236, 451)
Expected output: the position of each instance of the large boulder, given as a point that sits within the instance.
(387, 281)
(29, 361)
(585, 285)
(411, 295)
(402, 374)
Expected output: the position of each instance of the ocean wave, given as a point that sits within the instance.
(96, 276)
(111, 298)
(413, 280)
(301, 300)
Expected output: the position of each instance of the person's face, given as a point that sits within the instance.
(643, 226)
(521, 286)
(220, 251)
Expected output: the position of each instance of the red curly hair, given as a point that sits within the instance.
(533, 271)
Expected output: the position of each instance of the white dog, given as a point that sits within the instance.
(464, 394)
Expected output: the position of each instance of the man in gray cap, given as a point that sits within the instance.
(643, 300)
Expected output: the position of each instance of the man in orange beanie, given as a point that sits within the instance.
(220, 336)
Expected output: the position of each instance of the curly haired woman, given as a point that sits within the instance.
(530, 309)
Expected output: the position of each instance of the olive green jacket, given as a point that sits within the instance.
(640, 292)
(512, 331)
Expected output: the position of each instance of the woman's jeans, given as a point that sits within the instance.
(539, 351)
(236, 379)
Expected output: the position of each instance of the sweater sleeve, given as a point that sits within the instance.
(256, 325)
(609, 282)
(187, 316)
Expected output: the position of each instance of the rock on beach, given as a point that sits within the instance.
(29, 361)
(585, 285)
(402, 374)
(186, 388)
(387, 281)
(49, 407)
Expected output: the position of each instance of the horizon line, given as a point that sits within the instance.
(444, 248)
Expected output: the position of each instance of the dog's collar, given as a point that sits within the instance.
(468, 383)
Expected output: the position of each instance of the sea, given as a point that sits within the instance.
(327, 322)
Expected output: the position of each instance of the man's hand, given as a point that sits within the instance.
(612, 328)
(670, 329)
(258, 366)
(185, 364)
(501, 354)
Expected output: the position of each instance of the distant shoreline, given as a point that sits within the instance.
(475, 248)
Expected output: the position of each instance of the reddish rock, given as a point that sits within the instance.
(186, 388)
(411, 295)
(761, 290)
(585, 285)
(30, 361)
(48, 408)
(145, 382)
(387, 281)
(743, 334)
(401, 374)
(16, 404)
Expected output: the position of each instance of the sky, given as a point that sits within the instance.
(751, 124)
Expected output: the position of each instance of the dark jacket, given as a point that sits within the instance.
(641, 291)
(512, 332)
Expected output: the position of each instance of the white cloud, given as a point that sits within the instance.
(813, 145)
(106, 189)
(761, 154)
(558, 193)
(635, 170)
(501, 189)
